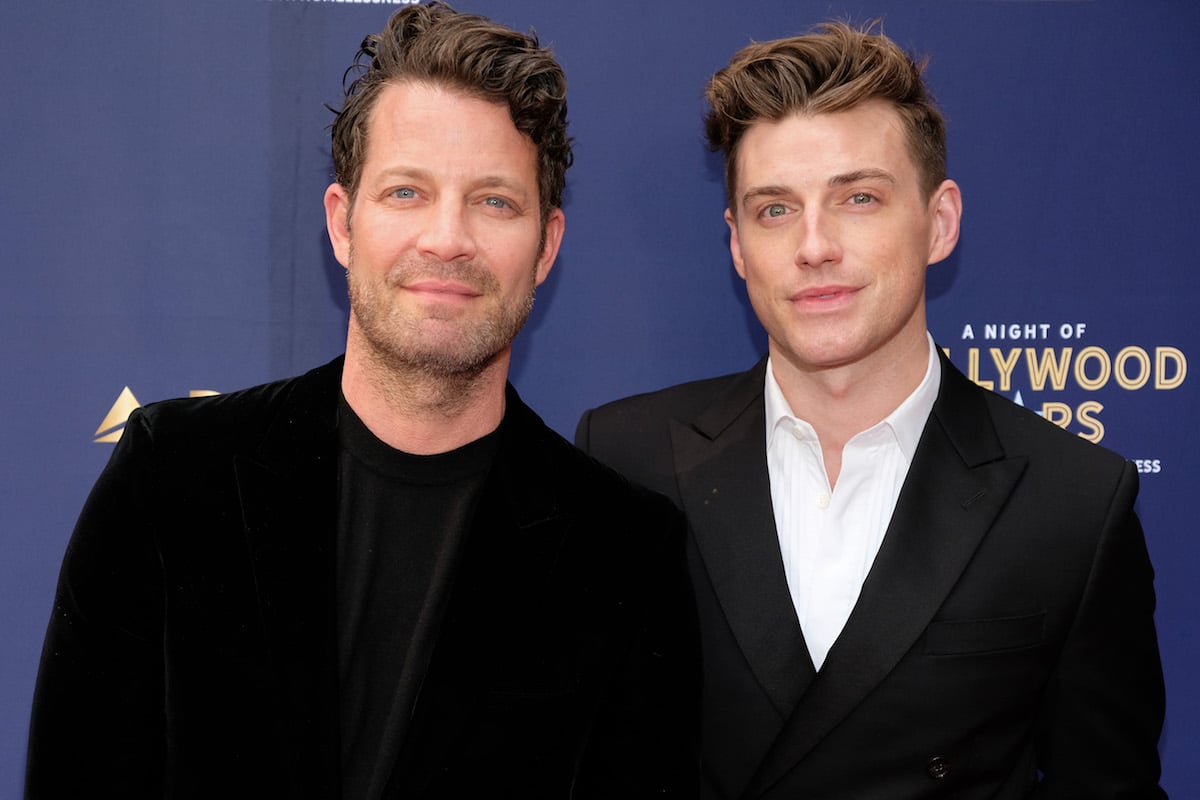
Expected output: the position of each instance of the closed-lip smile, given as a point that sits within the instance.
(438, 286)
(823, 294)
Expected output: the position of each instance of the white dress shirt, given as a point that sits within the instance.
(829, 538)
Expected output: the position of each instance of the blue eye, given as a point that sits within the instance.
(861, 198)
(775, 210)
(405, 193)
(496, 202)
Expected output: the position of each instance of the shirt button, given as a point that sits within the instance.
(798, 432)
(823, 500)
(937, 768)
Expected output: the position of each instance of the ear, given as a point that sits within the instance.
(946, 207)
(556, 223)
(337, 222)
(735, 244)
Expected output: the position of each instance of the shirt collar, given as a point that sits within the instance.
(906, 422)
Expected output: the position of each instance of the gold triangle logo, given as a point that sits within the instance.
(113, 426)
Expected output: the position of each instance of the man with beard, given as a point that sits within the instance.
(386, 577)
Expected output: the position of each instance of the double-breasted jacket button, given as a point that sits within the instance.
(937, 768)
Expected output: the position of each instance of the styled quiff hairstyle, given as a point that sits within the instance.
(435, 44)
(833, 69)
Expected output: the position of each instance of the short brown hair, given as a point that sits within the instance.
(835, 68)
(433, 43)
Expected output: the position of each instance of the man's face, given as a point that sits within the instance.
(442, 241)
(832, 235)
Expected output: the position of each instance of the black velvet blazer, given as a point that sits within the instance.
(191, 651)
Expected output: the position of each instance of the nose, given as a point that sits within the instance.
(445, 233)
(817, 243)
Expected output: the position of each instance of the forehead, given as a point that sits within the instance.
(819, 146)
(437, 126)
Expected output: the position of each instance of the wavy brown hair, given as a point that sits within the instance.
(435, 44)
(834, 68)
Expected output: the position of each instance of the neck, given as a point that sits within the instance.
(841, 402)
(421, 413)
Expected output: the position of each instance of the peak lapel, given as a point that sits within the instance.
(957, 484)
(721, 464)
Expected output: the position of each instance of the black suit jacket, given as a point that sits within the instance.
(1004, 629)
(192, 649)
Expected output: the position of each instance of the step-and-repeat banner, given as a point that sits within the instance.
(162, 234)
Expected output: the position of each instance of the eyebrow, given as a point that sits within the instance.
(859, 175)
(763, 191)
(500, 182)
(392, 173)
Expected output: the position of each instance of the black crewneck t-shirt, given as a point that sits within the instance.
(402, 519)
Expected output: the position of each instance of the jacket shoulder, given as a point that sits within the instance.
(1026, 433)
(241, 418)
(634, 435)
(679, 401)
(641, 423)
(988, 425)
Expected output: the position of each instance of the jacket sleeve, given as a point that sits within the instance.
(1100, 724)
(97, 721)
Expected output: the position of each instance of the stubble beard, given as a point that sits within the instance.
(434, 346)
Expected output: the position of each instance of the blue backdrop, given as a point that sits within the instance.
(162, 231)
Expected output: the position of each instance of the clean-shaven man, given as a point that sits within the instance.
(908, 587)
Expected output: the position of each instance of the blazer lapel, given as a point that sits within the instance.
(288, 495)
(722, 469)
(957, 484)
